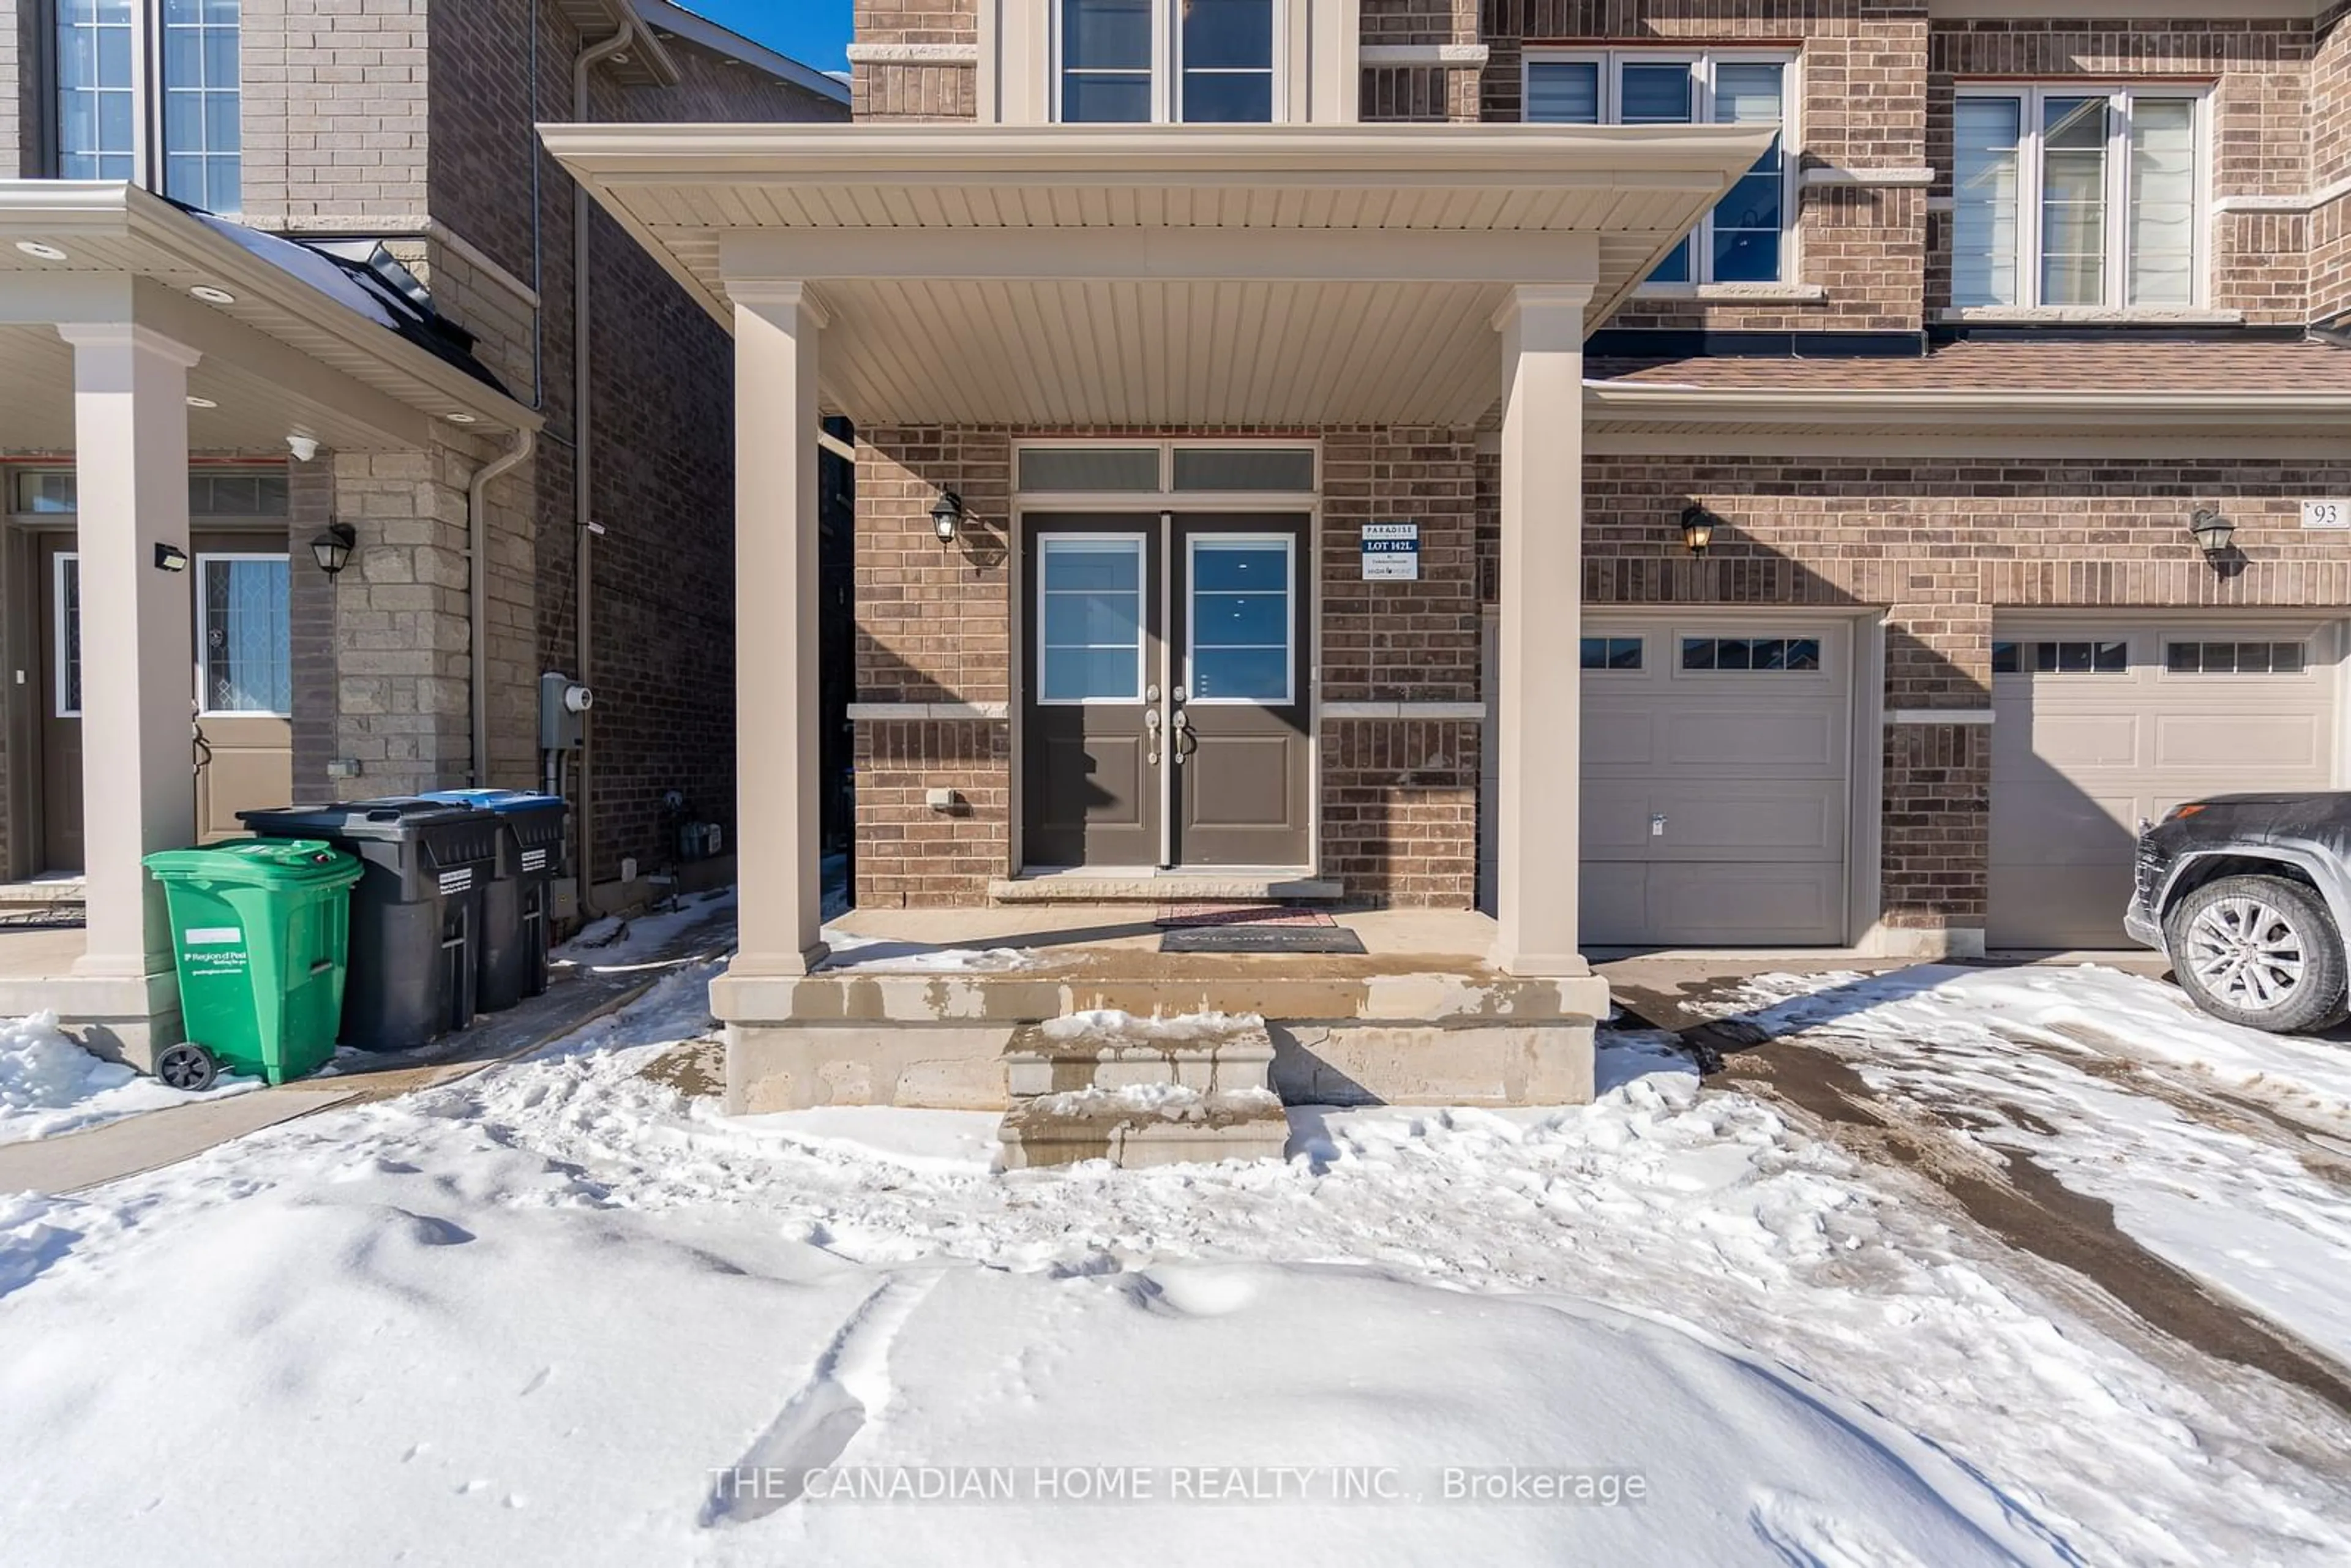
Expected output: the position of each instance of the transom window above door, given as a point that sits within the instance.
(2086, 197)
(1203, 62)
(1745, 238)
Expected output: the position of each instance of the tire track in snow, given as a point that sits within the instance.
(849, 1386)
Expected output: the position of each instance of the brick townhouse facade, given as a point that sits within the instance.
(1943, 527)
(411, 125)
(314, 261)
(1672, 474)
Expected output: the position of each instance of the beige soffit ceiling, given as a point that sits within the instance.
(1160, 275)
(281, 352)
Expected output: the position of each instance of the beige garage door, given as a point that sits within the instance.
(2097, 724)
(1717, 755)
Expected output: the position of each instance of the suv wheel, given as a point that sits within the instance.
(2259, 951)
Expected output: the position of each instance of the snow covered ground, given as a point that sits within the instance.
(50, 1085)
(2085, 1071)
(558, 1312)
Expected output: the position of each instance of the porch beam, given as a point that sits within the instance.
(130, 435)
(780, 927)
(1162, 255)
(1539, 713)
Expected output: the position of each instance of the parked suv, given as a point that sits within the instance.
(2250, 896)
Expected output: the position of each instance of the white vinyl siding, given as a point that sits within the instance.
(2080, 197)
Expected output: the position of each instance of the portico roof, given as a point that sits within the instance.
(288, 343)
(1158, 275)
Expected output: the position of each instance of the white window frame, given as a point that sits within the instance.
(204, 708)
(1167, 63)
(2033, 96)
(150, 159)
(57, 600)
(1140, 545)
(1703, 64)
(1289, 544)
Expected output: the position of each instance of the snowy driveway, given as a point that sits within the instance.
(562, 1313)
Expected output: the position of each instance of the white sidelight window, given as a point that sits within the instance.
(1140, 61)
(149, 92)
(1745, 239)
(2072, 196)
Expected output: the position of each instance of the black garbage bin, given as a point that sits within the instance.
(416, 914)
(519, 904)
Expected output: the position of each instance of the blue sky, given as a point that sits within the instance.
(814, 32)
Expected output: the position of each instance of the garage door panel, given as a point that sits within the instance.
(1750, 819)
(1755, 740)
(2231, 742)
(1749, 769)
(2079, 760)
(1738, 905)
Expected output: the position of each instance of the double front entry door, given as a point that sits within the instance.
(1165, 677)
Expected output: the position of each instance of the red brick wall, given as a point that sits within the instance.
(2329, 227)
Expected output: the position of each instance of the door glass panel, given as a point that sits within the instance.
(1240, 621)
(245, 640)
(1089, 620)
(68, 591)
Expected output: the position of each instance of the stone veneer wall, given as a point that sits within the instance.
(1398, 800)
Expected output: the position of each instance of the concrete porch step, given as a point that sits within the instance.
(1166, 887)
(1135, 1128)
(1114, 1052)
(42, 892)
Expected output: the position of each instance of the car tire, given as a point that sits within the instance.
(2260, 951)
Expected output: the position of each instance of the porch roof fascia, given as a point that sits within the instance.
(1942, 409)
(1697, 162)
(166, 241)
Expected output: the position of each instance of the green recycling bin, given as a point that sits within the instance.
(261, 930)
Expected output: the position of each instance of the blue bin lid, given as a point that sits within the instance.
(497, 800)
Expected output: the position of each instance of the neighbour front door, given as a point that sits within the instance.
(245, 682)
(1165, 678)
(60, 592)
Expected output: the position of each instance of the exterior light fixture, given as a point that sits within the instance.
(946, 516)
(40, 252)
(459, 416)
(332, 549)
(1697, 528)
(305, 448)
(196, 401)
(170, 558)
(211, 296)
(2212, 532)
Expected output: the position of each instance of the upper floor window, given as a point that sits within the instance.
(1745, 238)
(1136, 61)
(2068, 197)
(147, 90)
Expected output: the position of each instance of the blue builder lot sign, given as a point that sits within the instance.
(1391, 553)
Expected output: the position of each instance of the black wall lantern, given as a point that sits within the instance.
(170, 558)
(332, 549)
(1697, 528)
(946, 516)
(2212, 532)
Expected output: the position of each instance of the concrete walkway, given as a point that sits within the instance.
(581, 994)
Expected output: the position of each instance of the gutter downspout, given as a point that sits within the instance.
(584, 528)
(478, 576)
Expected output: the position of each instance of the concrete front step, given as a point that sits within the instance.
(1166, 887)
(1210, 1054)
(1140, 1127)
(42, 892)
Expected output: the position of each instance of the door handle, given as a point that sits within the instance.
(1151, 723)
(203, 749)
(1183, 741)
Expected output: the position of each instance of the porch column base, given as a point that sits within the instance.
(129, 1018)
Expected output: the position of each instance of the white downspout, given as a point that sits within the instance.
(477, 522)
(583, 444)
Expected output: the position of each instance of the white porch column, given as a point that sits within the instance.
(775, 595)
(138, 679)
(1539, 712)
